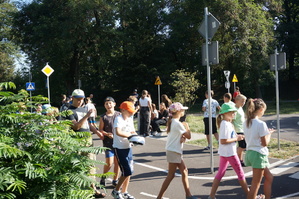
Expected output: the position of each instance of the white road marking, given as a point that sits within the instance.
(287, 196)
(284, 167)
(206, 178)
(150, 195)
(295, 175)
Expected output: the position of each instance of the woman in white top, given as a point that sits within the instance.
(145, 113)
(257, 137)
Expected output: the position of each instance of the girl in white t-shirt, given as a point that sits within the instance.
(177, 133)
(227, 148)
(257, 138)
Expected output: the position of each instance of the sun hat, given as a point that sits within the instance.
(78, 93)
(129, 106)
(177, 106)
(109, 99)
(227, 107)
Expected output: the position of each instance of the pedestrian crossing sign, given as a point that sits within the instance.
(158, 81)
(235, 78)
(30, 86)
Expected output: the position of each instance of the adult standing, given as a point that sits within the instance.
(80, 123)
(145, 113)
(166, 100)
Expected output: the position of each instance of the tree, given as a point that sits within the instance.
(185, 85)
(41, 157)
(8, 50)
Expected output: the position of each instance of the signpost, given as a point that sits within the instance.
(207, 29)
(47, 70)
(277, 62)
(227, 83)
(235, 80)
(158, 83)
(30, 86)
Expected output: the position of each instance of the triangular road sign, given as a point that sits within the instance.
(30, 86)
(235, 78)
(158, 81)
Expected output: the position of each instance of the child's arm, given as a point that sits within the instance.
(187, 134)
(120, 133)
(101, 129)
(230, 140)
(265, 140)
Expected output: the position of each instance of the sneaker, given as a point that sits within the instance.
(154, 133)
(128, 196)
(116, 194)
(103, 182)
(114, 182)
(207, 148)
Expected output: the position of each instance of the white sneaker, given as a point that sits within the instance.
(116, 194)
(128, 196)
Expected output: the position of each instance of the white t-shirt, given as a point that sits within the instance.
(89, 107)
(144, 102)
(253, 136)
(173, 142)
(227, 131)
(156, 113)
(214, 105)
(125, 126)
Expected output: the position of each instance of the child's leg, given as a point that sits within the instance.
(184, 171)
(108, 165)
(268, 183)
(121, 183)
(116, 169)
(223, 163)
(208, 139)
(216, 135)
(235, 163)
(125, 184)
(171, 173)
(255, 183)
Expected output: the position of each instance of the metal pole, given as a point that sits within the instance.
(48, 84)
(277, 100)
(158, 97)
(209, 89)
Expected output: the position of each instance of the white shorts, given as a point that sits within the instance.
(173, 157)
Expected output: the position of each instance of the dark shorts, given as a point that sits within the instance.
(242, 143)
(125, 161)
(206, 122)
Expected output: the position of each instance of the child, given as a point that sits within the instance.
(227, 148)
(106, 128)
(227, 98)
(177, 133)
(90, 105)
(238, 124)
(123, 128)
(257, 137)
(205, 109)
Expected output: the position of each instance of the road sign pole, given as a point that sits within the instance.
(209, 89)
(277, 99)
(48, 85)
(159, 97)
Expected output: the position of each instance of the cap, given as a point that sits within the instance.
(107, 99)
(227, 107)
(136, 140)
(46, 108)
(177, 106)
(129, 106)
(78, 93)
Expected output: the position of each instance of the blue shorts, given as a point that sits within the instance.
(125, 161)
(109, 153)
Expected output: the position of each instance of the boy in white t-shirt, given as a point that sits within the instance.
(123, 128)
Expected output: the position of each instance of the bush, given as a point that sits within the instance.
(39, 156)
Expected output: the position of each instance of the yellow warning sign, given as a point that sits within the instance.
(158, 81)
(235, 78)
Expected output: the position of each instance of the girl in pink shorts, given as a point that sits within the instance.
(227, 148)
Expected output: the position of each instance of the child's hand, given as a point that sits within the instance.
(271, 130)
(240, 137)
(186, 125)
(183, 139)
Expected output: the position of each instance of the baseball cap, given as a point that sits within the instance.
(107, 99)
(177, 106)
(129, 106)
(227, 107)
(46, 108)
(78, 93)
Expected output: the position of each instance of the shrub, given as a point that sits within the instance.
(39, 156)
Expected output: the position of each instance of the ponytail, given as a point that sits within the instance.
(219, 120)
(169, 124)
(252, 107)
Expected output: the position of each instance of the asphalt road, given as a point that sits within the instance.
(289, 126)
(151, 169)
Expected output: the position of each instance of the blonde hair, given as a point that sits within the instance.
(252, 108)
(170, 120)
(240, 96)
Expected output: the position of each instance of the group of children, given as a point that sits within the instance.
(115, 127)
(236, 126)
